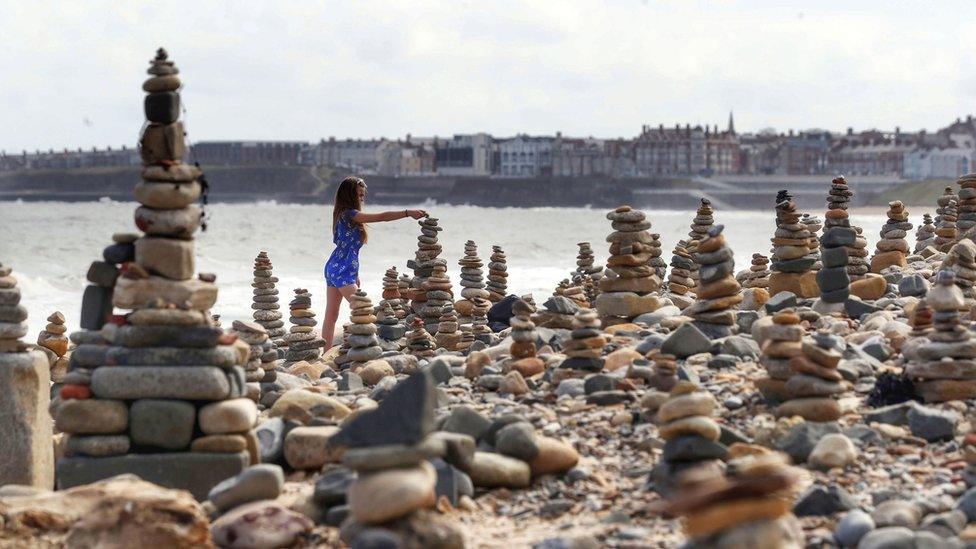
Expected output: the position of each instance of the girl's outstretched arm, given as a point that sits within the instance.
(392, 215)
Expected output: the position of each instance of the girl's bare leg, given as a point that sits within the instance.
(333, 303)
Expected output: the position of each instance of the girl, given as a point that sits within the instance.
(349, 234)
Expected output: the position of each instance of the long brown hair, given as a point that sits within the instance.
(347, 198)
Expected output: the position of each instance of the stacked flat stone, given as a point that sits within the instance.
(961, 260)
(419, 341)
(256, 337)
(472, 280)
(557, 312)
(718, 290)
(303, 343)
(750, 507)
(833, 279)
(391, 293)
(944, 367)
(405, 282)
(665, 372)
(480, 330)
(966, 219)
(497, 275)
(945, 221)
(523, 349)
(96, 303)
(363, 344)
(439, 295)
(426, 259)
(657, 261)
(813, 224)
(54, 343)
(577, 295)
(265, 304)
(892, 249)
(925, 234)
(922, 320)
(815, 382)
(700, 225)
(584, 351)
(783, 343)
(680, 279)
(389, 326)
(585, 260)
(691, 435)
(170, 387)
(467, 339)
(26, 453)
(448, 334)
(758, 274)
(628, 277)
(792, 257)
(857, 263)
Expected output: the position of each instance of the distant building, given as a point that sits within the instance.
(67, 159)
(687, 151)
(355, 155)
(248, 153)
(573, 157)
(870, 153)
(416, 160)
(464, 154)
(526, 156)
(938, 163)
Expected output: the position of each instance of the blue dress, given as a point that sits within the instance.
(342, 269)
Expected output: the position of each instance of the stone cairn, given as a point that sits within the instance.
(557, 311)
(265, 305)
(472, 281)
(389, 327)
(782, 344)
(815, 382)
(302, 341)
(448, 337)
(628, 280)
(892, 249)
(944, 365)
(758, 274)
(26, 453)
(699, 231)
(256, 338)
(857, 263)
(497, 275)
(922, 320)
(523, 337)
(54, 344)
(585, 260)
(575, 293)
(967, 203)
(718, 290)
(169, 386)
(467, 339)
(680, 279)
(961, 260)
(792, 257)
(419, 341)
(750, 506)
(925, 234)
(584, 351)
(479, 321)
(362, 341)
(391, 294)
(813, 224)
(833, 278)
(945, 221)
(425, 261)
(665, 374)
(657, 262)
(690, 435)
(439, 295)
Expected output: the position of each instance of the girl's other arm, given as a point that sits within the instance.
(393, 215)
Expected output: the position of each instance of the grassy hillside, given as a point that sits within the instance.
(915, 193)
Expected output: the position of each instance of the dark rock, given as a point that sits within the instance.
(331, 487)
(517, 440)
(102, 273)
(740, 346)
(729, 436)
(96, 307)
(609, 398)
(896, 414)
(893, 537)
(271, 439)
(335, 516)
(168, 336)
(693, 448)
(722, 362)
(855, 308)
(497, 424)
(780, 301)
(800, 440)
(932, 424)
(468, 421)
(349, 381)
(117, 254)
(744, 320)
(598, 382)
(405, 416)
(822, 501)
(913, 285)
(687, 340)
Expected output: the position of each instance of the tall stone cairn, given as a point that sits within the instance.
(628, 280)
(265, 305)
(585, 260)
(925, 234)
(813, 224)
(472, 281)
(967, 203)
(523, 348)
(26, 450)
(391, 293)
(497, 275)
(426, 259)
(303, 342)
(680, 279)
(833, 279)
(961, 260)
(892, 249)
(169, 387)
(718, 290)
(479, 321)
(700, 225)
(363, 344)
(945, 221)
(657, 262)
(256, 337)
(792, 257)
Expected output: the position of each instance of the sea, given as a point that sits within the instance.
(50, 245)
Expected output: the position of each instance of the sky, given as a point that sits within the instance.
(283, 70)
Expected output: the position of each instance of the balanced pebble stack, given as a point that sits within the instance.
(303, 343)
(585, 260)
(783, 342)
(448, 337)
(892, 249)
(472, 279)
(657, 262)
(497, 275)
(425, 259)
(437, 289)
(833, 279)
(256, 337)
(362, 341)
(524, 336)
(680, 280)
(758, 274)
(391, 293)
(54, 343)
(629, 279)
(815, 382)
(699, 231)
(967, 203)
(961, 260)
(792, 257)
(718, 290)
(813, 224)
(945, 221)
(419, 341)
(265, 300)
(665, 372)
(479, 321)
(584, 351)
(857, 253)
(925, 234)
(691, 435)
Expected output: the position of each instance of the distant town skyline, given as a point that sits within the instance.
(294, 71)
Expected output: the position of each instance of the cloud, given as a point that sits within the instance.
(303, 70)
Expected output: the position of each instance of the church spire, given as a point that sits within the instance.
(731, 129)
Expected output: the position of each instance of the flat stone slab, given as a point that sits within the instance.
(197, 473)
(177, 382)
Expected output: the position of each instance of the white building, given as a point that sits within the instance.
(356, 155)
(526, 156)
(938, 163)
(465, 155)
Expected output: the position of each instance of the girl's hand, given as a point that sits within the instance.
(416, 214)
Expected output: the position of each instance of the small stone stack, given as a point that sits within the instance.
(944, 368)
(813, 224)
(585, 260)
(783, 342)
(629, 279)
(438, 292)
(816, 382)
(577, 295)
(945, 221)
(925, 234)
(857, 262)
(699, 231)
(665, 372)
(497, 275)
(833, 279)
(751, 506)
(26, 452)
(265, 305)
(363, 344)
(472, 281)
(302, 341)
(391, 294)
(657, 262)
(792, 257)
(718, 290)
(448, 337)
(425, 260)
(523, 336)
(758, 274)
(922, 320)
(256, 337)
(892, 249)
(584, 351)
(680, 279)
(467, 339)
(55, 343)
(690, 434)
(967, 203)
(419, 341)
(961, 260)
(479, 321)
(388, 326)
